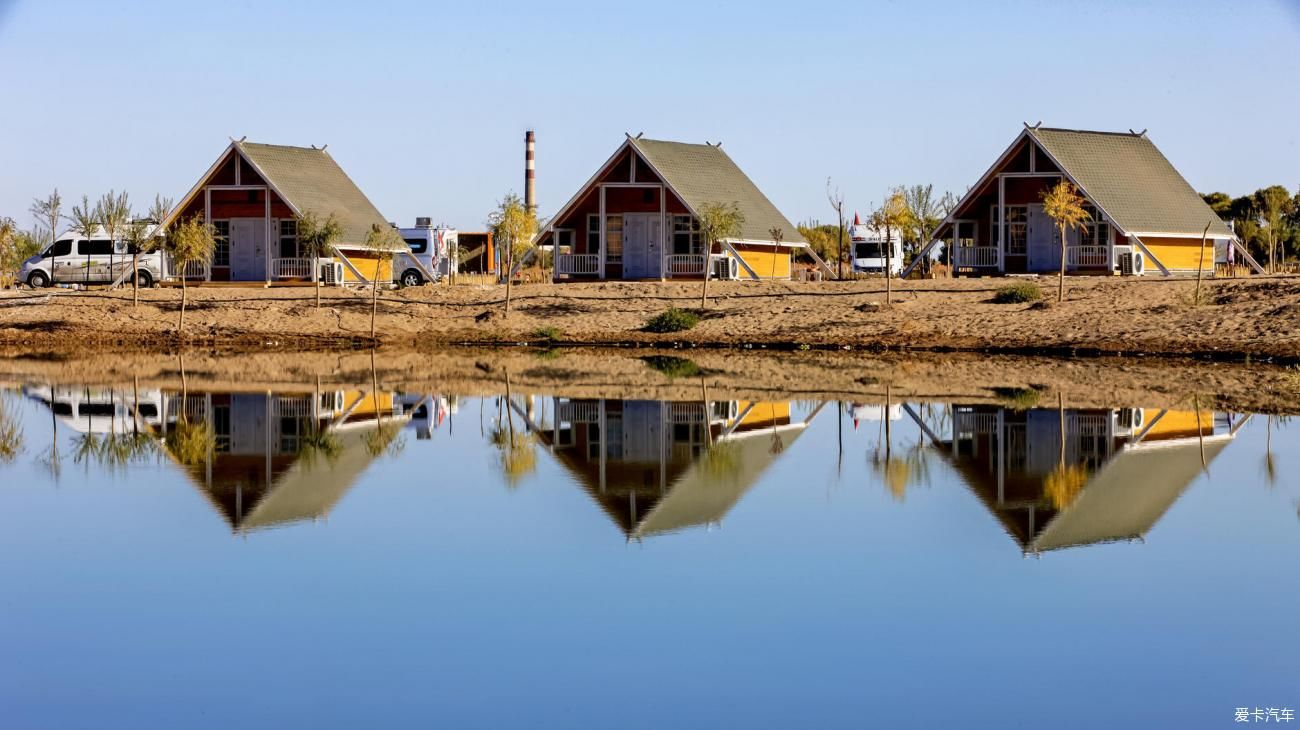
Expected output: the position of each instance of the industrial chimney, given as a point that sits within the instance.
(530, 184)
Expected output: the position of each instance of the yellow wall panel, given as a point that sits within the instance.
(1182, 254)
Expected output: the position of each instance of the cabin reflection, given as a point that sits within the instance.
(279, 458)
(1064, 478)
(657, 467)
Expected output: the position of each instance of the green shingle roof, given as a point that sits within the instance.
(702, 173)
(310, 180)
(1131, 180)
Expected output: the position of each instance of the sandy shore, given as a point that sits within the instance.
(655, 374)
(1241, 318)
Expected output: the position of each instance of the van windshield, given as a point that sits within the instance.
(868, 250)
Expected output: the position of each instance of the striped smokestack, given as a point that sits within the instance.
(530, 183)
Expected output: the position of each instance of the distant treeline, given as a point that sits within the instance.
(1267, 221)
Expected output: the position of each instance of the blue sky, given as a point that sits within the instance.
(425, 104)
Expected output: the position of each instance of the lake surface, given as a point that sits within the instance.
(361, 557)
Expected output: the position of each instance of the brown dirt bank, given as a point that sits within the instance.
(1243, 318)
(1091, 382)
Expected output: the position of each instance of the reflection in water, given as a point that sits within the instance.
(662, 466)
(1065, 477)
(1053, 477)
(261, 459)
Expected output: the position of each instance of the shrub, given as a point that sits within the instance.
(673, 320)
(1018, 399)
(1018, 293)
(673, 367)
(549, 334)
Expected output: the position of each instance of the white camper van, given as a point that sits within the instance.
(72, 259)
(432, 247)
(869, 249)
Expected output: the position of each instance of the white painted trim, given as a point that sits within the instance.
(189, 197)
(600, 171)
(1197, 235)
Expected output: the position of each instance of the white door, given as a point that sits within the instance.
(1042, 245)
(248, 249)
(642, 246)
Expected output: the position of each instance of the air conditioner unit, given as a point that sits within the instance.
(331, 273)
(331, 402)
(422, 222)
(1132, 263)
(725, 267)
(1131, 418)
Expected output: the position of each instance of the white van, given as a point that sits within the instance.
(73, 259)
(432, 247)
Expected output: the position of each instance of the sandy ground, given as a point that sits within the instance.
(686, 375)
(1256, 318)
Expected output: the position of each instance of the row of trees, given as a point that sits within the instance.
(1267, 221)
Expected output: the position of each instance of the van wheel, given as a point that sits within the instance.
(38, 280)
(144, 279)
(411, 277)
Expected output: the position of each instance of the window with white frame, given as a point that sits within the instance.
(288, 239)
(686, 235)
(1017, 234)
(614, 239)
(1096, 231)
(221, 251)
(563, 240)
(593, 233)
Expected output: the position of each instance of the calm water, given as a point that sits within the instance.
(349, 558)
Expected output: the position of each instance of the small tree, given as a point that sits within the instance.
(1274, 204)
(718, 222)
(192, 240)
(514, 225)
(893, 215)
(48, 212)
(8, 252)
(85, 223)
(114, 213)
(384, 242)
(778, 235)
(836, 199)
(1065, 206)
(317, 238)
(138, 239)
(924, 214)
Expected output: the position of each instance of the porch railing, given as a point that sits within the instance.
(1086, 256)
(976, 256)
(578, 411)
(193, 270)
(577, 263)
(295, 268)
(684, 264)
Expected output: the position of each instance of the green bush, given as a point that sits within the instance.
(1018, 399)
(673, 367)
(673, 320)
(549, 334)
(1018, 293)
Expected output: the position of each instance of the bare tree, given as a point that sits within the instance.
(836, 199)
(778, 236)
(718, 222)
